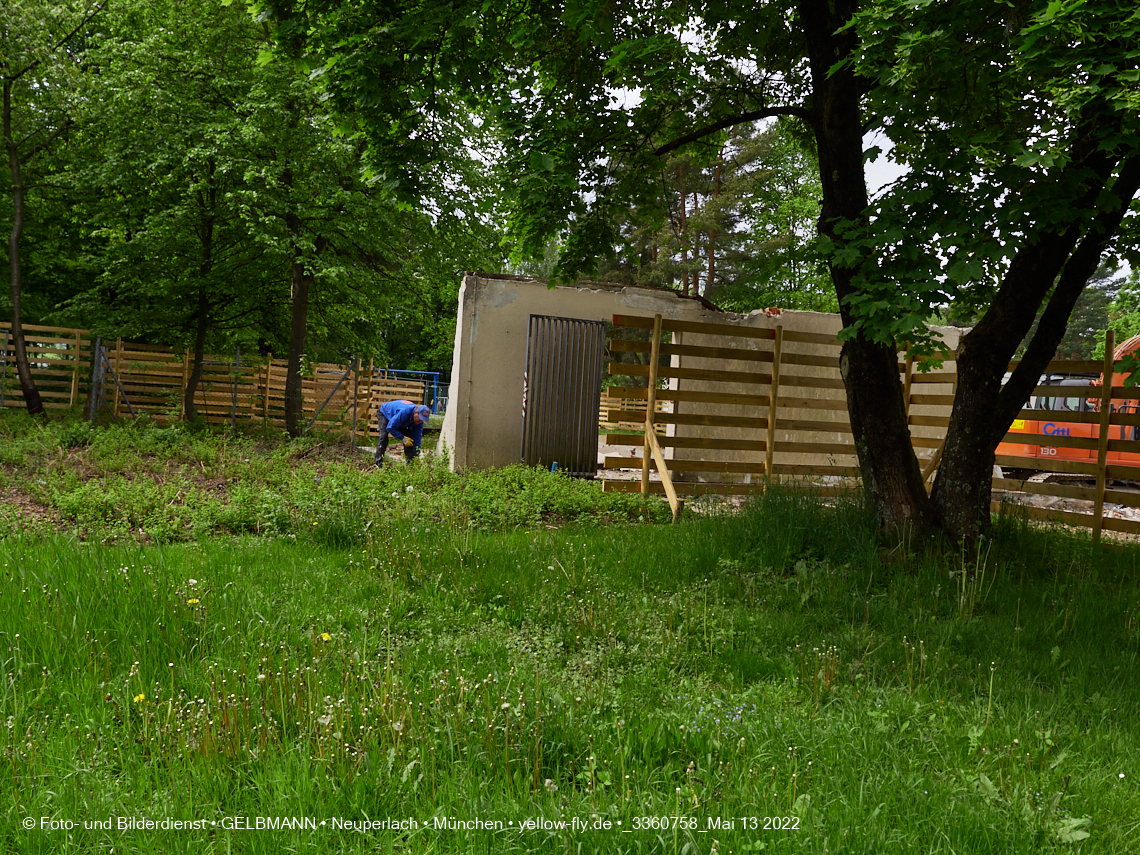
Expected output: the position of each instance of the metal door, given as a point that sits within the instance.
(562, 388)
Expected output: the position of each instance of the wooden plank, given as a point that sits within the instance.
(1072, 518)
(1122, 497)
(684, 488)
(1072, 467)
(682, 465)
(1067, 366)
(625, 439)
(809, 469)
(928, 421)
(668, 325)
(1063, 491)
(1123, 473)
(925, 441)
(1127, 446)
(828, 448)
(622, 369)
(815, 426)
(732, 353)
(931, 400)
(1043, 441)
(663, 470)
(934, 377)
(813, 403)
(693, 419)
(1123, 526)
(628, 393)
(696, 351)
(1048, 514)
(1067, 416)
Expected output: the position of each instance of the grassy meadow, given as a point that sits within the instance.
(286, 652)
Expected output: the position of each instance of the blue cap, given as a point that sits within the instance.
(423, 412)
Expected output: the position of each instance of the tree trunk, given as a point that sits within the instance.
(189, 409)
(892, 480)
(207, 203)
(983, 408)
(31, 394)
(294, 401)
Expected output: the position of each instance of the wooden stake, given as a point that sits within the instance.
(75, 370)
(773, 400)
(906, 383)
(265, 397)
(1102, 439)
(675, 503)
(650, 404)
(119, 372)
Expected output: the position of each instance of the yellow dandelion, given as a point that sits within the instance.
(193, 601)
(140, 698)
(326, 637)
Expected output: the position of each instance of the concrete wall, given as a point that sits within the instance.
(483, 423)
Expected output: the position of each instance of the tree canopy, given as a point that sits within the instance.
(1017, 122)
(313, 177)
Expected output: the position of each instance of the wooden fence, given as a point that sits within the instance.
(773, 407)
(60, 364)
(1087, 436)
(781, 413)
(146, 379)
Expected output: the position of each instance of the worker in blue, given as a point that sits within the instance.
(405, 421)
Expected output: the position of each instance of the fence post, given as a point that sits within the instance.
(368, 406)
(773, 399)
(96, 379)
(1102, 440)
(4, 368)
(265, 397)
(355, 394)
(650, 403)
(233, 402)
(118, 370)
(73, 398)
(906, 383)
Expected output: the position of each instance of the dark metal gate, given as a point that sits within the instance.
(562, 389)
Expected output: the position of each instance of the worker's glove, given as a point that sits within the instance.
(408, 442)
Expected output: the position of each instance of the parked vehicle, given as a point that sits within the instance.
(1071, 418)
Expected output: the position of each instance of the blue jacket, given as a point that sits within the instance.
(401, 421)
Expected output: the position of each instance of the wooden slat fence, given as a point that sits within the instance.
(60, 363)
(750, 404)
(153, 379)
(630, 405)
(1088, 437)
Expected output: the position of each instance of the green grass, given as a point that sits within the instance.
(142, 482)
(780, 662)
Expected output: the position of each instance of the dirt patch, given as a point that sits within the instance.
(19, 503)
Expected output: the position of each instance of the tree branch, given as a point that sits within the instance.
(1078, 269)
(95, 11)
(731, 122)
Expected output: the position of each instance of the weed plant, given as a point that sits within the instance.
(782, 663)
(140, 481)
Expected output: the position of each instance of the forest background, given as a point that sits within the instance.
(182, 185)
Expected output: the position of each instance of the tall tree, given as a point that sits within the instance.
(38, 52)
(738, 229)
